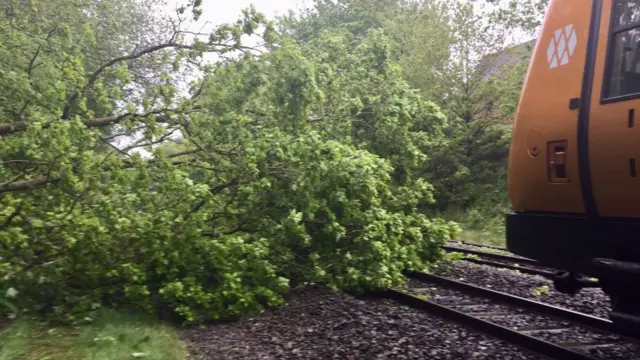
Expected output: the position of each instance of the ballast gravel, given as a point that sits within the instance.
(542, 327)
(589, 301)
(317, 323)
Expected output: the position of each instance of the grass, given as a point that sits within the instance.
(484, 225)
(483, 236)
(112, 335)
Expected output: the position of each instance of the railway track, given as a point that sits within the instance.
(480, 245)
(544, 329)
(523, 265)
(497, 255)
(501, 260)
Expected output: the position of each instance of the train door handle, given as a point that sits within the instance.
(557, 162)
(574, 103)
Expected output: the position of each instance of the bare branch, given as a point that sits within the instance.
(139, 143)
(33, 60)
(198, 92)
(12, 216)
(185, 152)
(124, 133)
(115, 149)
(25, 171)
(26, 184)
(94, 76)
(24, 162)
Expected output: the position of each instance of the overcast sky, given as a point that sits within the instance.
(217, 12)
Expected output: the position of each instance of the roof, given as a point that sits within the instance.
(491, 64)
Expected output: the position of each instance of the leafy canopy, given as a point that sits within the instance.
(300, 163)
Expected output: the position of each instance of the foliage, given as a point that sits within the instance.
(424, 58)
(303, 162)
(110, 335)
(355, 16)
(467, 69)
(540, 290)
(523, 15)
(469, 170)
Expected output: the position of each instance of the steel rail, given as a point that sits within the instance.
(522, 269)
(476, 244)
(500, 257)
(522, 340)
(593, 322)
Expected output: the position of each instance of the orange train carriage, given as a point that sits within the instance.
(574, 177)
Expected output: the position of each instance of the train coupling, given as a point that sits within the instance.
(571, 283)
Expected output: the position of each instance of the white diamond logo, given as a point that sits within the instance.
(558, 34)
(562, 46)
(551, 51)
(572, 42)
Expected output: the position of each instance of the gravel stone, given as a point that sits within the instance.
(526, 321)
(589, 301)
(317, 323)
(592, 301)
(617, 352)
(575, 335)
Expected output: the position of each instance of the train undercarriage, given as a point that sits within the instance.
(619, 280)
(603, 253)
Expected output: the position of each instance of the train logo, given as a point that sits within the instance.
(561, 47)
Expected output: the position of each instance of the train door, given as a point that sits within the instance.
(613, 122)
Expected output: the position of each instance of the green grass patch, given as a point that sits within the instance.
(484, 225)
(111, 335)
(483, 237)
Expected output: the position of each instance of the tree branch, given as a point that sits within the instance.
(25, 185)
(12, 216)
(142, 143)
(94, 76)
(128, 132)
(18, 126)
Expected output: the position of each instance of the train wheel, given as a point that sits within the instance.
(620, 280)
(571, 282)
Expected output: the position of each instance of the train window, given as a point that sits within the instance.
(626, 12)
(624, 73)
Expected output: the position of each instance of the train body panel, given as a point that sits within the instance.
(544, 116)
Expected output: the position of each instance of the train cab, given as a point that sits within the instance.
(574, 176)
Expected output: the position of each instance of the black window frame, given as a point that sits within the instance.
(608, 70)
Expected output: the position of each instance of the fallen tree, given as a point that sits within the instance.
(301, 163)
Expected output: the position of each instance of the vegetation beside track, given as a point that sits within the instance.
(489, 237)
(110, 335)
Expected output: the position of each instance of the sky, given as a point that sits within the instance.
(217, 12)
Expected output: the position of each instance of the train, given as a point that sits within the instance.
(573, 169)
